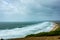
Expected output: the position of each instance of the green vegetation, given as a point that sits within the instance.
(52, 33)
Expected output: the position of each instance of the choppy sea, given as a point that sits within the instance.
(10, 30)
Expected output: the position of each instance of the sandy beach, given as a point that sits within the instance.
(55, 27)
(42, 38)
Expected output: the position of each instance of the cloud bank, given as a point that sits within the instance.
(29, 10)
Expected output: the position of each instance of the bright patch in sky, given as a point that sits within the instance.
(29, 10)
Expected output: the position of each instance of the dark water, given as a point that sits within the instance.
(11, 25)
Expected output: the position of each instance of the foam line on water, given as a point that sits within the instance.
(24, 31)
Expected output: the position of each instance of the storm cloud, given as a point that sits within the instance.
(29, 10)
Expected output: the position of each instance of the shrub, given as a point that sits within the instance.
(52, 33)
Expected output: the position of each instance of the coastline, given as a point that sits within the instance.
(56, 26)
(43, 37)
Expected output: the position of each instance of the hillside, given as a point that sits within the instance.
(40, 38)
(52, 35)
(54, 32)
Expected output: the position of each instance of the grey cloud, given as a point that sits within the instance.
(29, 10)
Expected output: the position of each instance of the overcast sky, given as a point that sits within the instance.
(29, 10)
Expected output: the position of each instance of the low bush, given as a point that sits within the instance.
(52, 33)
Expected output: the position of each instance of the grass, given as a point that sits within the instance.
(52, 33)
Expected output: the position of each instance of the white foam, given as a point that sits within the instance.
(22, 32)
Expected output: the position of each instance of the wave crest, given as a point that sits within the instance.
(24, 31)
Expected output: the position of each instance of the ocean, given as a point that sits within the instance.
(11, 25)
(10, 30)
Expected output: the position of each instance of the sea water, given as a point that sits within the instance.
(10, 30)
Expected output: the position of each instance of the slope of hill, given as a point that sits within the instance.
(40, 38)
(52, 35)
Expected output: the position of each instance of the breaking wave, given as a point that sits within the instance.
(24, 31)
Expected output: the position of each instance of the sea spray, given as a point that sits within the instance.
(24, 31)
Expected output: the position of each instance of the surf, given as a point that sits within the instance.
(24, 31)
